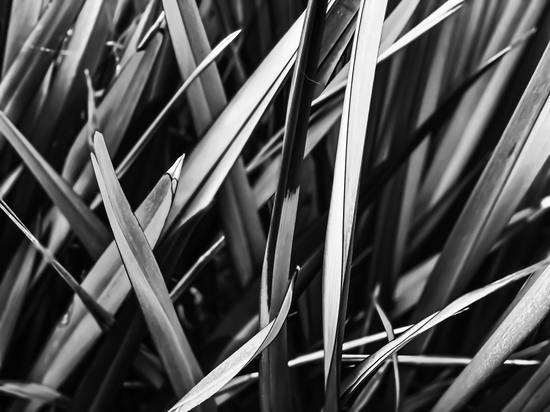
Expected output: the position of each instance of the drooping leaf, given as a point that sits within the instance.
(220, 376)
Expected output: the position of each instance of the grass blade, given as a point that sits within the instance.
(29, 67)
(361, 372)
(103, 318)
(495, 198)
(33, 391)
(389, 331)
(274, 381)
(207, 98)
(85, 224)
(13, 289)
(220, 376)
(345, 185)
(178, 96)
(76, 332)
(513, 330)
(136, 253)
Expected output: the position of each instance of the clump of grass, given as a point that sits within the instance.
(274, 205)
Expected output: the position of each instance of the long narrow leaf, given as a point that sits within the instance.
(220, 376)
(364, 370)
(85, 224)
(136, 253)
(345, 189)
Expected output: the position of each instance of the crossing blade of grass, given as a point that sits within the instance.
(23, 16)
(347, 170)
(112, 116)
(487, 104)
(29, 67)
(516, 161)
(456, 130)
(275, 391)
(191, 47)
(213, 157)
(447, 9)
(265, 184)
(389, 331)
(89, 229)
(34, 391)
(76, 332)
(207, 99)
(179, 361)
(113, 113)
(364, 370)
(534, 394)
(382, 172)
(13, 289)
(389, 43)
(416, 360)
(102, 317)
(83, 51)
(174, 101)
(228, 369)
(522, 320)
(9, 181)
(396, 22)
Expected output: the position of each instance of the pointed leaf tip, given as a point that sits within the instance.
(175, 170)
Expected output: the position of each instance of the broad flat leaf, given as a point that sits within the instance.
(107, 282)
(181, 366)
(364, 370)
(89, 229)
(345, 187)
(220, 376)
